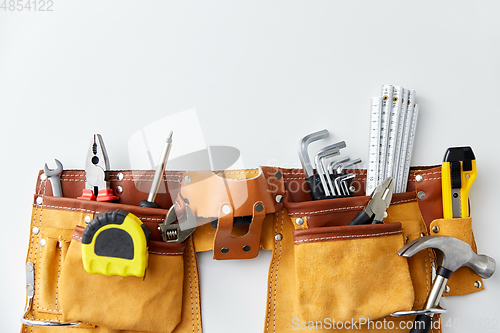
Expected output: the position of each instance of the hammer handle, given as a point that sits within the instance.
(422, 324)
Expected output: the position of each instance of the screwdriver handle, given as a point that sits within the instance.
(160, 170)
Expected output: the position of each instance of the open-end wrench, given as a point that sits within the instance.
(330, 150)
(55, 178)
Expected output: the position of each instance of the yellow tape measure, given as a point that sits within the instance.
(115, 243)
(458, 172)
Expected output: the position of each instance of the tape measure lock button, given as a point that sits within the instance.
(115, 243)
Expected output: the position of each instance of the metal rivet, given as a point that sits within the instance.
(119, 176)
(187, 179)
(279, 198)
(39, 200)
(35, 230)
(435, 229)
(29, 267)
(352, 188)
(226, 209)
(119, 189)
(246, 248)
(467, 176)
(59, 244)
(43, 242)
(447, 289)
(186, 200)
(278, 175)
(43, 177)
(224, 250)
(422, 234)
(29, 288)
(421, 194)
(419, 178)
(478, 284)
(87, 219)
(299, 221)
(278, 237)
(259, 208)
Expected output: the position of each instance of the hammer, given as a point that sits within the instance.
(451, 254)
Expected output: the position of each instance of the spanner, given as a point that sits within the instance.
(55, 178)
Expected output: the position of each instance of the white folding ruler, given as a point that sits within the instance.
(387, 91)
(404, 144)
(393, 131)
(411, 139)
(374, 148)
(399, 137)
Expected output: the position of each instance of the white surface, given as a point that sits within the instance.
(261, 75)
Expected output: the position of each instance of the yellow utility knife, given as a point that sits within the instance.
(458, 172)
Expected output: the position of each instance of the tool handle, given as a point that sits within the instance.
(422, 324)
(315, 187)
(361, 218)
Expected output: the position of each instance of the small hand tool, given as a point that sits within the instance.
(313, 180)
(160, 170)
(304, 154)
(174, 230)
(328, 151)
(115, 243)
(451, 254)
(96, 173)
(346, 166)
(55, 178)
(332, 166)
(458, 172)
(341, 183)
(376, 208)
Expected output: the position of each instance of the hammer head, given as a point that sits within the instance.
(451, 254)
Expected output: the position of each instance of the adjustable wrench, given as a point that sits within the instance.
(55, 178)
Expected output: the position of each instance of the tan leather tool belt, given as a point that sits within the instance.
(319, 269)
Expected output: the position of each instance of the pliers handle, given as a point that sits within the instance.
(96, 173)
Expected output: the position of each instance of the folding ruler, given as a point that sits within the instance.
(393, 122)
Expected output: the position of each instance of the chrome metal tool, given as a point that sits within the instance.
(376, 208)
(160, 170)
(97, 173)
(54, 176)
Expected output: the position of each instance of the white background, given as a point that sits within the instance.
(261, 74)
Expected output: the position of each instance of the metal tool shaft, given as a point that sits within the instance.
(160, 169)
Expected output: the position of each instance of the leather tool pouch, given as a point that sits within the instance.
(320, 268)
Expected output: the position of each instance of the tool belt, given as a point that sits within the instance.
(320, 268)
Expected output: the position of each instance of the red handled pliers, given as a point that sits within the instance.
(96, 173)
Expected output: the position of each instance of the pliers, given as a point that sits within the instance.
(379, 202)
(96, 173)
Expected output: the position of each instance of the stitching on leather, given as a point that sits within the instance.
(190, 286)
(39, 248)
(403, 201)
(326, 210)
(93, 212)
(58, 274)
(167, 253)
(277, 270)
(309, 240)
(195, 275)
(414, 180)
(271, 274)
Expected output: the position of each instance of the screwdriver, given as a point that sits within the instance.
(160, 170)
